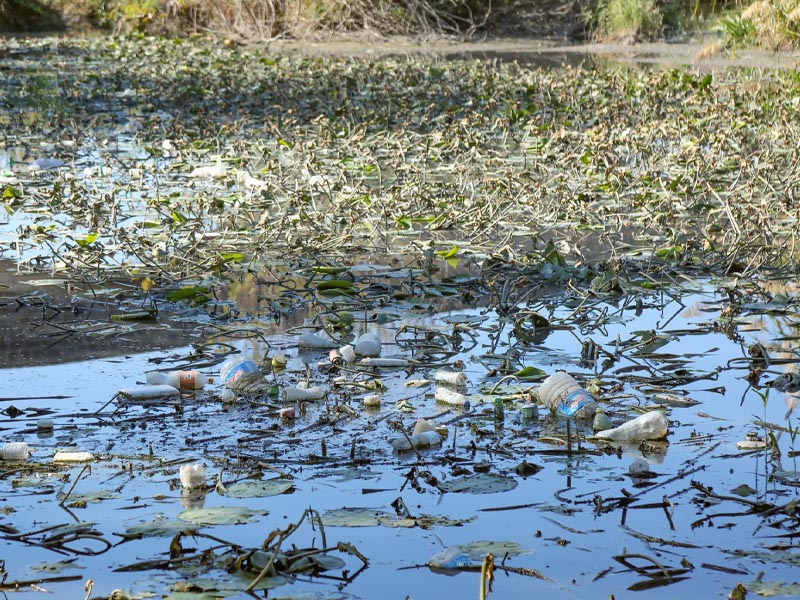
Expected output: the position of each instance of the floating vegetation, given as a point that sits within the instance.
(394, 254)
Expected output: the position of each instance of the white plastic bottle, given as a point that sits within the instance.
(451, 397)
(456, 378)
(182, 380)
(561, 393)
(426, 439)
(14, 451)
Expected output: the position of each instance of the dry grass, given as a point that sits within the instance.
(265, 19)
(774, 23)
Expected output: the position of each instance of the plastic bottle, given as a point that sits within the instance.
(237, 371)
(649, 426)
(15, 451)
(450, 558)
(451, 397)
(183, 380)
(294, 394)
(420, 440)
(372, 400)
(193, 476)
(368, 344)
(456, 378)
(561, 393)
(72, 456)
(148, 392)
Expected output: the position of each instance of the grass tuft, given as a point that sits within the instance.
(628, 20)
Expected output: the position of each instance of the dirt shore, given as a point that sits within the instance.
(547, 51)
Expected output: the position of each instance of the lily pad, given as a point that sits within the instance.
(259, 489)
(221, 515)
(482, 483)
(372, 517)
(479, 549)
(158, 527)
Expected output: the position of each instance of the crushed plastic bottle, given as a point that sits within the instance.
(450, 558)
(182, 380)
(561, 393)
(649, 426)
(243, 376)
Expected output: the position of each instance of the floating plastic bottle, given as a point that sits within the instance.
(193, 477)
(295, 394)
(387, 363)
(561, 393)
(368, 344)
(421, 440)
(456, 378)
(73, 456)
(451, 397)
(347, 353)
(450, 558)
(149, 392)
(15, 451)
(649, 426)
(243, 375)
(372, 400)
(601, 421)
(315, 341)
(182, 380)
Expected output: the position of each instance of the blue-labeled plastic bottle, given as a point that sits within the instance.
(236, 368)
(562, 394)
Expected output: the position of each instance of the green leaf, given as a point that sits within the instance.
(89, 239)
(448, 253)
(232, 256)
(178, 218)
(337, 284)
(191, 292)
(531, 373)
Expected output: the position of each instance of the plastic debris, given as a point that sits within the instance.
(421, 440)
(423, 425)
(315, 341)
(149, 392)
(563, 394)
(649, 426)
(348, 353)
(451, 397)
(368, 344)
(372, 400)
(243, 376)
(295, 394)
(73, 456)
(601, 421)
(455, 378)
(369, 361)
(15, 451)
(450, 558)
(193, 477)
(182, 380)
